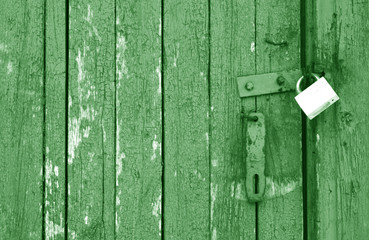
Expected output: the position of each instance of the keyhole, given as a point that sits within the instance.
(256, 182)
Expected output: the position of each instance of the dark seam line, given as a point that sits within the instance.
(115, 118)
(44, 126)
(162, 123)
(209, 115)
(66, 115)
(303, 59)
(255, 39)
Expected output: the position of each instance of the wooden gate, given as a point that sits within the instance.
(121, 119)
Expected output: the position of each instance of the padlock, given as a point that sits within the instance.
(316, 98)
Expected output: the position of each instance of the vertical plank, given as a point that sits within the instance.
(21, 118)
(280, 215)
(186, 123)
(338, 138)
(138, 111)
(55, 129)
(232, 54)
(91, 122)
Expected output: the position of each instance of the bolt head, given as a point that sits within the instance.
(249, 86)
(281, 80)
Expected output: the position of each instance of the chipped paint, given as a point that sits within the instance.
(120, 156)
(52, 229)
(3, 47)
(86, 112)
(213, 195)
(214, 234)
(280, 187)
(158, 72)
(10, 67)
(86, 220)
(214, 162)
(252, 47)
(155, 146)
(56, 171)
(238, 193)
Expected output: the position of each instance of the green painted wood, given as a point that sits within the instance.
(21, 119)
(232, 55)
(338, 138)
(138, 120)
(186, 120)
(55, 128)
(280, 215)
(91, 124)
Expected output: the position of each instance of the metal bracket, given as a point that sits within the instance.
(255, 161)
(277, 82)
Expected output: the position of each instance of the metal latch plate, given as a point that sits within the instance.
(276, 82)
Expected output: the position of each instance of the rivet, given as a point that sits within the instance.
(281, 80)
(249, 86)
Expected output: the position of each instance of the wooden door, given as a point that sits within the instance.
(122, 120)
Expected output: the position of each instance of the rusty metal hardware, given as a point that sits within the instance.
(255, 160)
(277, 82)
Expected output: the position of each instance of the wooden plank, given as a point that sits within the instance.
(280, 215)
(55, 129)
(338, 138)
(232, 55)
(21, 118)
(91, 124)
(186, 122)
(139, 124)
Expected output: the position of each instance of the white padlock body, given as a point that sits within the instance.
(316, 98)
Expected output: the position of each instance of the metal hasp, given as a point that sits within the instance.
(255, 160)
(277, 82)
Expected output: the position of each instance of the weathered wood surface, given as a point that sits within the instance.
(280, 215)
(21, 119)
(55, 122)
(232, 55)
(338, 138)
(138, 120)
(186, 120)
(245, 49)
(91, 111)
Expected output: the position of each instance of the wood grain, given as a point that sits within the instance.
(55, 124)
(186, 120)
(338, 138)
(280, 215)
(21, 119)
(232, 55)
(91, 124)
(138, 120)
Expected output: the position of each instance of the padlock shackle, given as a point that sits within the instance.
(298, 87)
